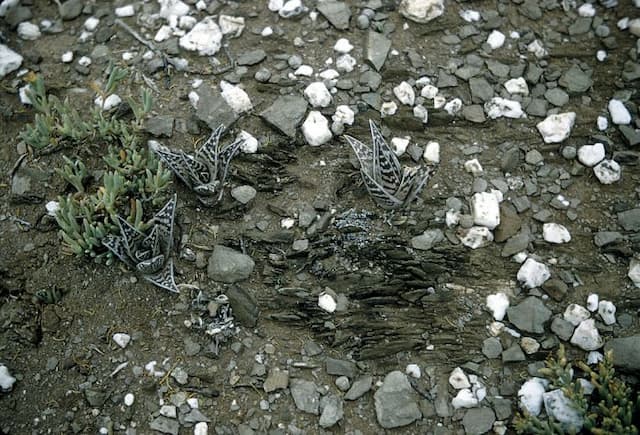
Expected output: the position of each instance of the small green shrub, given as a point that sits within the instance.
(612, 408)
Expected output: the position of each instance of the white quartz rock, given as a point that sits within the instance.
(235, 97)
(399, 145)
(502, 108)
(413, 370)
(556, 128)
(432, 152)
(485, 208)
(555, 233)
(592, 302)
(28, 31)
(109, 103)
(405, 94)
(591, 155)
(575, 314)
(634, 272)
(121, 339)
(316, 129)
(498, 304)
(421, 11)
(317, 94)
(205, 38)
(619, 113)
(475, 237)
(517, 86)
(586, 336)
(458, 379)
(6, 380)
(343, 115)
(530, 395)
(562, 409)
(231, 26)
(327, 302)
(608, 171)
(496, 39)
(343, 46)
(607, 311)
(533, 273)
(464, 399)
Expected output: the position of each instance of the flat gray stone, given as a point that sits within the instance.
(491, 347)
(529, 315)
(626, 352)
(243, 194)
(497, 68)
(359, 388)
(286, 113)
(575, 81)
(339, 367)
(378, 47)
(557, 97)
(160, 126)
(17, 15)
(165, 425)
(212, 109)
(305, 395)
(446, 80)
(427, 240)
(477, 421)
(9, 60)
(537, 107)
(530, 9)
(474, 113)
(396, 402)
(228, 265)
(631, 135)
(332, 410)
(244, 305)
(276, 380)
(251, 57)
(604, 238)
(562, 328)
(337, 13)
(70, 9)
(515, 244)
(513, 354)
(580, 26)
(630, 219)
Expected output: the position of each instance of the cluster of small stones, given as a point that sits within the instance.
(475, 88)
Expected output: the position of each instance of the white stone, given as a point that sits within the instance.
(249, 144)
(316, 129)
(592, 302)
(464, 399)
(399, 145)
(562, 409)
(343, 115)
(275, 5)
(575, 314)
(91, 23)
(586, 336)
(439, 101)
(388, 108)
(109, 103)
(537, 49)
(267, 31)
(125, 11)
(530, 395)
(345, 63)
(230, 25)
(454, 106)
(498, 303)
(291, 8)
(469, 15)
(168, 411)
(529, 345)
(591, 155)
(500, 107)
(172, 8)
(235, 97)
(634, 272)
(602, 123)
(421, 112)
(121, 339)
(619, 113)
(476, 237)
(452, 218)
(24, 96)
(601, 55)
(343, 46)
(304, 70)
(127, 56)
(555, 233)
(329, 74)
(67, 57)
(607, 311)
(413, 370)
(327, 302)
(193, 403)
(556, 128)
(432, 152)
(52, 208)
(594, 357)
(608, 171)
(163, 33)
(473, 166)
(485, 209)
(429, 92)
(496, 39)
(405, 94)
(517, 86)
(421, 11)
(587, 10)
(201, 428)
(634, 27)
(6, 5)
(129, 398)
(317, 94)
(194, 98)
(205, 38)
(28, 31)
(6, 380)
(84, 61)
(287, 223)
(520, 257)
(458, 379)
(533, 273)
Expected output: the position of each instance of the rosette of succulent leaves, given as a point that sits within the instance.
(215, 317)
(390, 185)
(204, 172)
(149, 252)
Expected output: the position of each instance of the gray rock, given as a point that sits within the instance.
(630, 219)
(341, 367)
(165, 425)
(446, 80)
(562, 328)
(530, 9)
(631, 135)
(513, 354)
(286, 113)
(371, 79)
(474, 113)
(515, 244)
(604, 238)
(396, 402)
(17, 15)
(477, 421)
(95, 398)
(537, 107)
(534, 157)
(251, 57)
(262, 75)
(626, 352)
(160, 126)
(631, 71)
(378, 47)
(191, 348)
(557, 97)
(491, 347)
(243, 194)
(530, 315)
(343, 383)
(332, 410)
(575, 81)
(70, 9)
(427, 240)
(580, 26)
(305, 395)
(228, 265)
(556, 288)
(497, 68)
(533, 74)
(502, 407)
(276, 380)
(337, 13)
(244, 305)
(359, 388)
(195, 416)
(28, 184)
(213, 110)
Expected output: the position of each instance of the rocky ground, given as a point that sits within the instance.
(347, 318)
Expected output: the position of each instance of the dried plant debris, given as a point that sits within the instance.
(206, 171)
(390, 185)
(215, 317)
(150, 252)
